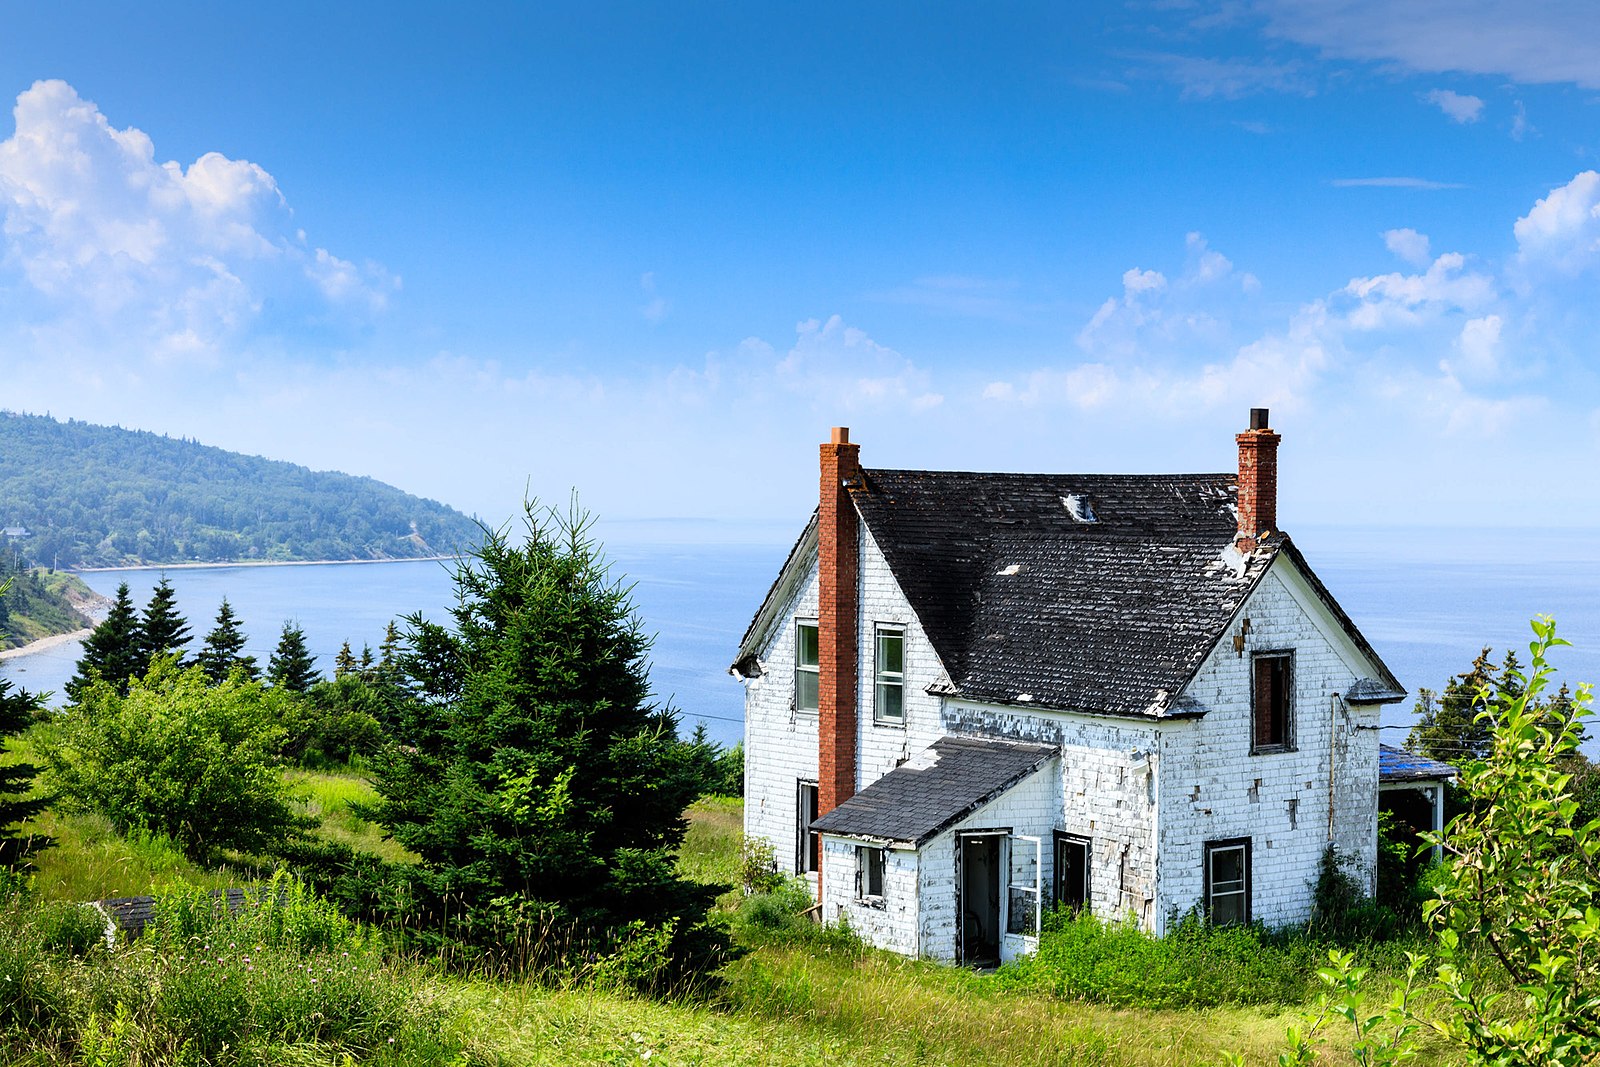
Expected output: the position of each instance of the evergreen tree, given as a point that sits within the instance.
(344, 662)
(112, 649)
(536, 774)
(389, 650)
(366, 661)
(162, 632)
(1448, 727)
(291, 666)
(17, 709)
(223, 647)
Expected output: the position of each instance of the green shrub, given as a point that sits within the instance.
(178, 757)
(1196, 965)
(779, 917)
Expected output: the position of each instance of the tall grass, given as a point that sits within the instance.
(327, 796)
(284, 979)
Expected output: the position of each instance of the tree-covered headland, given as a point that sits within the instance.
(73, 494)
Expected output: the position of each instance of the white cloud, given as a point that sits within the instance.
(1461, 108)
(1407, 244)
(1519, 123)
(1393, 182)
(107, 247)
(1562, 231)
(1533, 41)
(1189, 312)
(841, 366)
(1388, 300)
(1479, 349)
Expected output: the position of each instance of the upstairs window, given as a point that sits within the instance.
(1271, 685)
(1228, 882)
(869, 874)
(889, 678)
(805, 666)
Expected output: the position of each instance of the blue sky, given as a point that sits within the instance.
(653, 253)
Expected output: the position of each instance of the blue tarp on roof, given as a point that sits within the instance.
(1398, 765)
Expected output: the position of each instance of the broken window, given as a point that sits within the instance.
(1270, 697)
(869, 874)
(889, 676)
(1072, 872)
(1227, 878)
(808, 844)
(805, 666)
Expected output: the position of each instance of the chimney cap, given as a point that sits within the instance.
(1258, 419)
(841, 435)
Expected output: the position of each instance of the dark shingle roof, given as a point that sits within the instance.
(1398, 765)
(934, 789)
(1025, 603)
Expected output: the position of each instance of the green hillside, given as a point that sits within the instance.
(77, 495)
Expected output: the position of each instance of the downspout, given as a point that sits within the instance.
(1333, 732)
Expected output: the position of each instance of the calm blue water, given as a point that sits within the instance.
(1427, 600)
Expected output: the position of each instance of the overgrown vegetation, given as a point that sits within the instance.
(283, 979)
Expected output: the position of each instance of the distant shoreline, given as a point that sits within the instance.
(254, 563)
(43, 643)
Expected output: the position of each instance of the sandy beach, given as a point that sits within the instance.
(44, 643)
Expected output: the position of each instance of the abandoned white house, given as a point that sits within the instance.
(968, 695)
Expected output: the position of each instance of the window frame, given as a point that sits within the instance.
(813, 670)
(1286, 742)
(808, 842)
(1214, 848)
(868, 857)
(885, 680)
(1063, 841)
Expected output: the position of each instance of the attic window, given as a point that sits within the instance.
(1078, 506)
(1271, 690)
(806, 666)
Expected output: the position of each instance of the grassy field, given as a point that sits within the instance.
(778, 1004)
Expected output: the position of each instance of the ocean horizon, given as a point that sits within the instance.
(1427, 598)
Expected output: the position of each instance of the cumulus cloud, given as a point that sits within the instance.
(1388, 300)
(1408, 244)
(1562, 231)
(105, 244)
(1478, 349)
(1461, 108)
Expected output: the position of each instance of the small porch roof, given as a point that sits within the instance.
(934, 789)
(1396, 766)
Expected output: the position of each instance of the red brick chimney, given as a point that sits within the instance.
(1258, 481)
(838, 576)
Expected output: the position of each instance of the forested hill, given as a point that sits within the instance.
(77, 495)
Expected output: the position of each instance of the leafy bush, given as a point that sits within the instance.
(1196, 965)
(177, 757)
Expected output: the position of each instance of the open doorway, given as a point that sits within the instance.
(978, 876)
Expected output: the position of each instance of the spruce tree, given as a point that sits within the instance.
(223, 648)
(344, 662)
(17, 708)
(390, 648)
(537, 776)
(112, 650)
(163, 632)
(291, 666)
